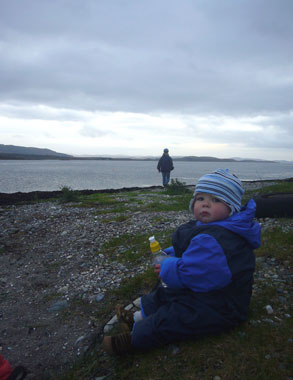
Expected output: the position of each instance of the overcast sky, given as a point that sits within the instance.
(131, 77)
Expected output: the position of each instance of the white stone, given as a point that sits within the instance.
(137, 302)
(79, 339)
(269, 309)
(113, 320)
(107, 328)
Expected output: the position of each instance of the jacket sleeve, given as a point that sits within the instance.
(170, 251)
(203, 266)
(159, 165)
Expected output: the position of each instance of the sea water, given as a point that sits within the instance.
(50, 175)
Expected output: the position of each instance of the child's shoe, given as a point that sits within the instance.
(125, 318)
(118, 344)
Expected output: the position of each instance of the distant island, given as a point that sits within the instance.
(13, 152)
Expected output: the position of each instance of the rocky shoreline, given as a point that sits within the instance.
(53, 278)
(32, 196)
(19, 197)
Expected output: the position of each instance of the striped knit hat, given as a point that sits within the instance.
(224, 185)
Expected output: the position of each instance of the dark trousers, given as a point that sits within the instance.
(166, 178)
(171, 316)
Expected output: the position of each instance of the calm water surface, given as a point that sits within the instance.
(49, 175)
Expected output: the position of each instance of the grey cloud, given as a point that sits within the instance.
(40, 112)
(284, 122)
(201, 56)
(274, 131)
(89, 131)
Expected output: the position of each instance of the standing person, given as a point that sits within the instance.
(208, 273)
(165, 165)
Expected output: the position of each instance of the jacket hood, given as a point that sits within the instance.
(242, 223)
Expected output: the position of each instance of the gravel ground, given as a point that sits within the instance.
(50, 263)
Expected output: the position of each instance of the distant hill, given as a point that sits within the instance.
(25, 153)
(202, 158)
(13, 152)
(214, 159)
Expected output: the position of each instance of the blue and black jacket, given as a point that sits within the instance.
(209, 278)
(209, 257)
(165, 163)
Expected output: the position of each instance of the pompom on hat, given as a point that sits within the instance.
(224, 185)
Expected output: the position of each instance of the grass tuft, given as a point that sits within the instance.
(126, 247)
(69, 195)
(177, 188)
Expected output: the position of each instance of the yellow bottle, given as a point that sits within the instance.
(154, 245)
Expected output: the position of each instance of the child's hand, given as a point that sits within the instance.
(157, 268)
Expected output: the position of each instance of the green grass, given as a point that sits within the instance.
(126, 247)
(144, 201)
(140, 284)
(249, 352)
(177, 188)
(176, 203)
(69, 195)
(133, 248)
(256, 350)
(277, 243)
(240, 354)
(175, 197)
(281, 186)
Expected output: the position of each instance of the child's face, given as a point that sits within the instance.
(207, 208)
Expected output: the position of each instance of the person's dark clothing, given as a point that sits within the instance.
(165, 165)
(209, 277)
(165, 178)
